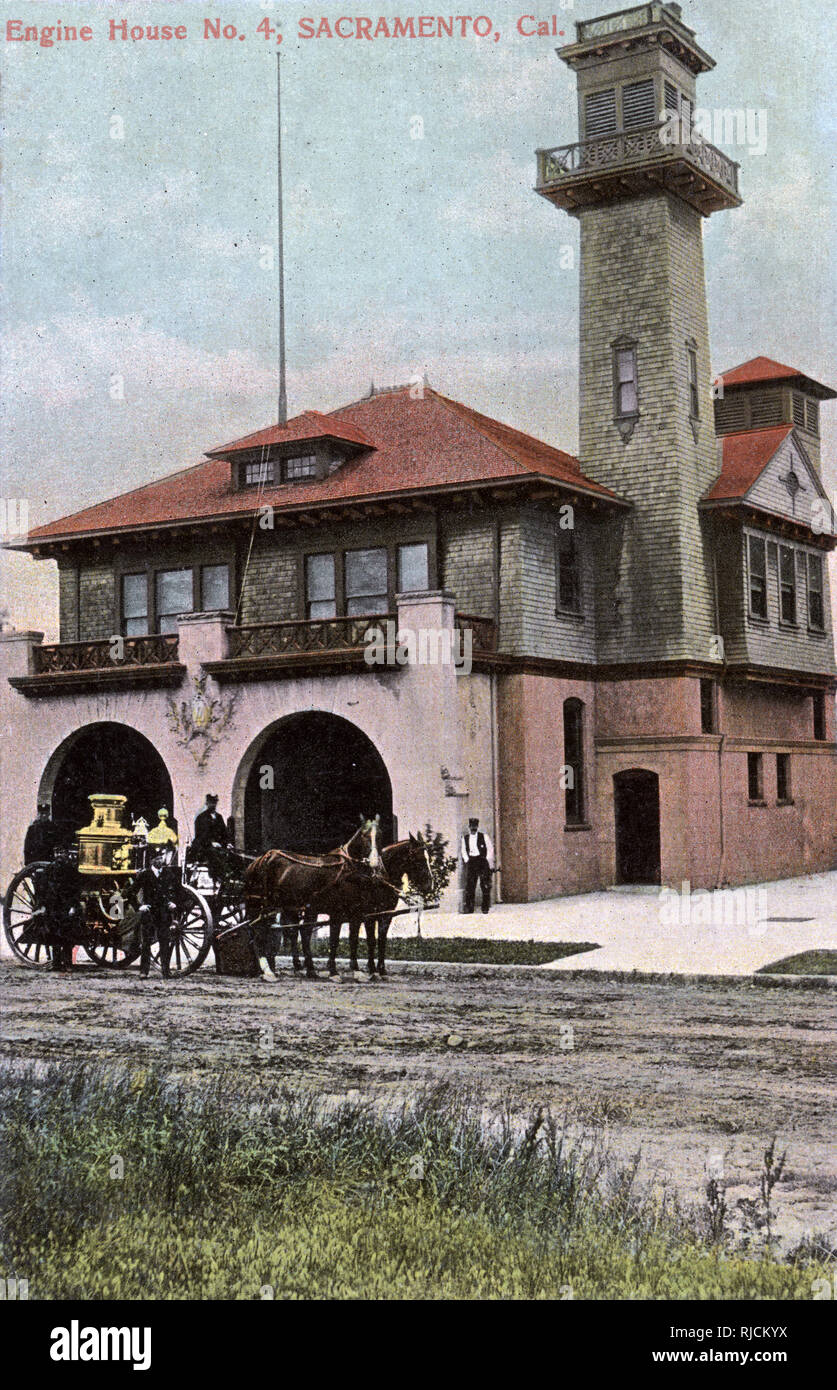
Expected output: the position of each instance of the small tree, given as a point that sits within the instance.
(442, 864)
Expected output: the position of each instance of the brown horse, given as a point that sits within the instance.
(281, 882)
(405, 868)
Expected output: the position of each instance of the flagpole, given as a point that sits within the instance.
(283, 398)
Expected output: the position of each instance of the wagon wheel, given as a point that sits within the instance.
(105, 948)
(229, 913)
(110, 941)
(18, 910)
(191, 933)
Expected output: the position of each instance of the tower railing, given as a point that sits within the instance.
(602, 153)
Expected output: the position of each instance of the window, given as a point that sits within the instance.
(366, 582)
(255, 473)
(567, 577)
(215, 588)
(625, 380)
(787, 584)
(708, 716)
(300, 466)
(819, 714)
(135, 605)
(412, 567)
(174, 596)
(320, 592)
(694, 400)
(758, 577)
(600, 113)
(638, 104)
(755, 784)
(783, 782)
(574, 762)
(816, 608)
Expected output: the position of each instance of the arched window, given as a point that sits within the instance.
(574, 791)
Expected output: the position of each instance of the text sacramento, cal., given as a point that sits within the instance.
(307, 27)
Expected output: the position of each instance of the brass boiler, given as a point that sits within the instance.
(104, 844)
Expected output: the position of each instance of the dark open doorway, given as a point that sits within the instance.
(636, 801)
(107, 758)
(311, 780)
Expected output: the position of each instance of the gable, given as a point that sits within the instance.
(775, 491)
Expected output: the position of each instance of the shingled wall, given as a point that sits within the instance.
(642, 278)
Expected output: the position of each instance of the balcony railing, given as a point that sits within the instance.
(112, 663)
(108, 654)
(605, 153)
(635, 18)
(300, 638)
(257, 651)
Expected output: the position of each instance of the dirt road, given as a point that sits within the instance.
(684, 1070)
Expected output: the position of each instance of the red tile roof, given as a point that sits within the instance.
(310, 425)
(745, 457)
(416, 445)
(760, 369)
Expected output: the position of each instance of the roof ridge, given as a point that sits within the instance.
(367, 399)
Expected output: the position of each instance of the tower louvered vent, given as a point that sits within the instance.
(638, 104)
(600, 113)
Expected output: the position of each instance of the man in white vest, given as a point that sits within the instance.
(477, 854)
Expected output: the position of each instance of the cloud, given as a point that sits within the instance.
(74, 357)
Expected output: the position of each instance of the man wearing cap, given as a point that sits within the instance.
(210, 829)
(41, 837)
(64, 913)
(155, 890)
(477, 854)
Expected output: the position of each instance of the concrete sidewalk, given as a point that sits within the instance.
(729, 932)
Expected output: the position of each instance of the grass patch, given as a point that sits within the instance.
(465, 950)
(805, 963)
(126, 1185)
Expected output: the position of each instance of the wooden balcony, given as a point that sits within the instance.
(259, 651)
(64, 667)
(632, 162)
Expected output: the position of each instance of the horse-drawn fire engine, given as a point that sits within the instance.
(109, 859)
(217, 895)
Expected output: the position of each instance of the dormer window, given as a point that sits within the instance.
(299, 466)
(256, 474)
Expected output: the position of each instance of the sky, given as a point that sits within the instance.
(138, 227)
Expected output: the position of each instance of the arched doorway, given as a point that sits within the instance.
(105, 758)
(636, 805)
(311, 777)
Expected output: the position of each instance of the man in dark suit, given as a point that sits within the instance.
(477, 854)
(210, 829)
(41, 837)
(59, 893)
(156, 890)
